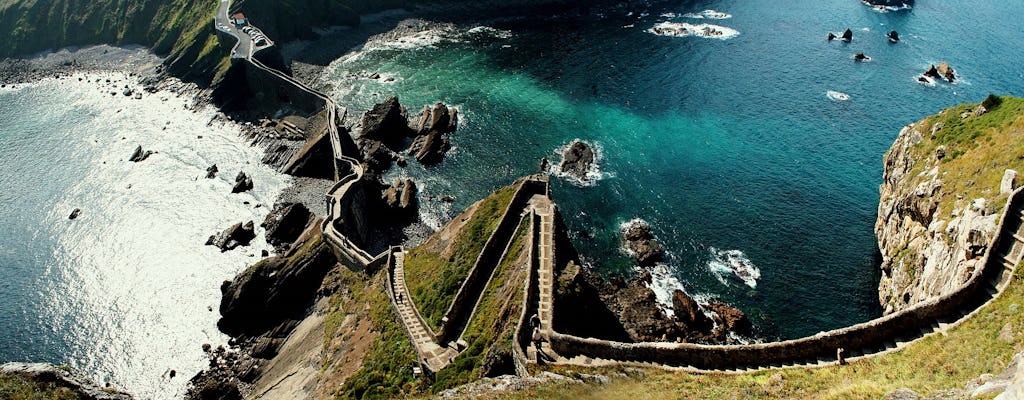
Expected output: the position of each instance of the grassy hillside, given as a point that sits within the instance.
(180, 29)
(15, 387)
(978, 149)
(435, 270)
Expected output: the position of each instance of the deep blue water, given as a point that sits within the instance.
(720, 144)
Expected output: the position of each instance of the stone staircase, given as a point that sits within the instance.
(434, 356)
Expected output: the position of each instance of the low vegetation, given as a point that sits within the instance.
(434, 272)
(16, 387)
(978, 149)
(386, 370)
(491, 330)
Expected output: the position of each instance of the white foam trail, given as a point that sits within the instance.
(726, 263)
(683, 29)
(837, 95)
(489, 31)
(707, 14)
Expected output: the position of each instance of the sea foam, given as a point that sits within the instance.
(727, 264)
(683, 29)
(593, 174)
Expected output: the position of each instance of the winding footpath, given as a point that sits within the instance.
(879, 336)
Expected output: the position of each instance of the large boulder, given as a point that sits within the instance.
(577, 159)
(139, 155)
(639, 241)
(237, 235)
(400, 199)
(438, 117)
(1009, 182)
(689, 312)
(275, 289)
(430, 148)
(385, 122)
(946, 71)
(730, 319)
(285, 223)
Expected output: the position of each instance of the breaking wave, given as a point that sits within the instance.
(683, 29)
(733, 263)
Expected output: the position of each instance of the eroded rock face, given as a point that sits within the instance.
(431, 127)
(237, 235)
(274, 290)
(926, 251)
(577, 160)
(400, 199)
(385, 122)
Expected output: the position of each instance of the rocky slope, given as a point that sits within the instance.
(946, 180)
(48, 381)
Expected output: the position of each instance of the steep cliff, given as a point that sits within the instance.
(946, 178)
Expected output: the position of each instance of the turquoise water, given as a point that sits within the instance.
(730, 148)
(127, 291)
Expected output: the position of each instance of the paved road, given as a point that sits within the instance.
(245, 47)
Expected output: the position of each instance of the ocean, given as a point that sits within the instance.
(127, 291)
(754, 148)
(737, 148)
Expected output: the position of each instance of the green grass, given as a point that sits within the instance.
(387, 368)
(979, 150)
(493, 326)
(16, 387)
(434, 278)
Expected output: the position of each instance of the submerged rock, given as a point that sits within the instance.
(211, 171)
(577, 160)
(75, 213)
(237, 235)
(893, 36)
(859, 57)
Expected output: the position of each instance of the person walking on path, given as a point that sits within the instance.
(535, 321)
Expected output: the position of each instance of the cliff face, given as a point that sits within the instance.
(942, 191)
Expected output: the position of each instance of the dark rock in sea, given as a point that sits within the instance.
(75, 213)
(946, 71)
(80, 386)
(430, 148)
(730, 318)
(577, 160)
(847, 35)
(378, 157)
(211, 385)
(275, 290)
(544, 164)
(237, 235)
(831, 36)
(400, 200)
(139, 155)
(385, 122)
(285, 223)
(922, 79)
(447, 199)
(127, 92)
(932, 72)
(893, 36)
(243, 183)
(689, 312)
(859, 57)
(211, 171)
(890, 3)
(430, 128)
(638, 238)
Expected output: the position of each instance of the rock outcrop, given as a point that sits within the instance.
(62, 378)
(930, 235)
(400, 201)
(943, 71)
(237, 235)
(431, 128)
(386, 123)
(275, 289)
(285, 223)
(847, 35)
(243, 183)
(639, 241)
(139, 154)
(578, 160)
